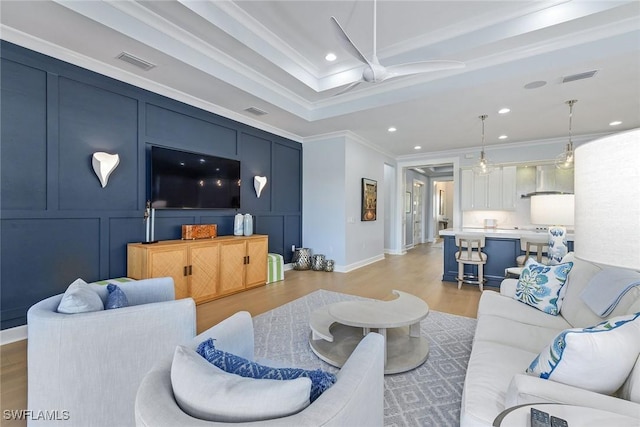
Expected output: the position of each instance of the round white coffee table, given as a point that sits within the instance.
(336, 330)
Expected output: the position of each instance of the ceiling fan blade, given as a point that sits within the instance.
(346, 42)
(348, 88)
(422, 67)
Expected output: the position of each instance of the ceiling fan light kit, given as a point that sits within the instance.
(374, 72)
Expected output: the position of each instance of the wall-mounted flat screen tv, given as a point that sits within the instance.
(184, 180)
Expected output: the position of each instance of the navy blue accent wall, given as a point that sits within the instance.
(57, 223)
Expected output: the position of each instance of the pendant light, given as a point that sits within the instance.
(565, 160)
(484, 166)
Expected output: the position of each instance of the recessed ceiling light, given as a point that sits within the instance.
(504, 110)
(417, 147)
(503, 137)
(392, 129)
(330, 57)
(535, 85)
(615, 123)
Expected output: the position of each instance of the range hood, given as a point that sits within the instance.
(551, 180)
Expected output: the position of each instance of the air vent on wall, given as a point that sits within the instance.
(579, 76)
(134, 60)
(255, 111)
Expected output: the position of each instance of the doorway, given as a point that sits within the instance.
(426, 170)
(418, 212)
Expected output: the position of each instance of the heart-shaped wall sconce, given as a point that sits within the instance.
(103, 164)
(259, 182)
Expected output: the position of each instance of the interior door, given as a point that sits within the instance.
(418, 213)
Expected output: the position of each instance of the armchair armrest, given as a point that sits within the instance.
(233, 335)
(508, 287)
(526, 389)
(357, 397)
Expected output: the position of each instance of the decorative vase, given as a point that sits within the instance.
(248, 225)
(318, 262)
(238, 227)
(328, 265)
(302, 259)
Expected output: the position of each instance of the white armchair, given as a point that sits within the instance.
(88, 366)
(356, 399)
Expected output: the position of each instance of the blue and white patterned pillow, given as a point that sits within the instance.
(598, 358)
(320, 380)
(116, 298)
(542, 286)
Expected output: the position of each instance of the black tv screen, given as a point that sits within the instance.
(183, 180)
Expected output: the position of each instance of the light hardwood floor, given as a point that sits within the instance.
(419, 272)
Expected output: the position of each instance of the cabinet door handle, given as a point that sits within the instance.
(248, 259)
(184, 273)
(191, 270)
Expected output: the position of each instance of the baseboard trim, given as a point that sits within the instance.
(359, 264)
(7, 336)
(395, 251)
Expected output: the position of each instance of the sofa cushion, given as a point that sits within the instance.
(80, 298)
(541, 286)
(209, 393)
(574, 310)
(116, 298)
(490, 370)
(513, 333)
(598, 358)
(495, 304)
(630, 390)
(320, 380)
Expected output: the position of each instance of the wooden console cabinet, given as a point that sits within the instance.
(203, 269)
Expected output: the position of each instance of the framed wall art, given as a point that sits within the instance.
(369, 199)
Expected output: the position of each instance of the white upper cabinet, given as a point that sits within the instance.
(496, 191)
(509, 192)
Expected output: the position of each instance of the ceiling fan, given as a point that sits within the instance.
(374, 72)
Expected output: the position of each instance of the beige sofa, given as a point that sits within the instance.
(510, 334)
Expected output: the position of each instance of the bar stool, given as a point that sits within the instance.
(470, 252)
(530, 245)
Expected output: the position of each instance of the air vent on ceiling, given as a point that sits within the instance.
(255, 111)
(134, 60)
(579, 76)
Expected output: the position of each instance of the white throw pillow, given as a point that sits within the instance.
(209, 393)
(80, 298)
(598, 358)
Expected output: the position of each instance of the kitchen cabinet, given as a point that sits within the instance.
(495, 191)
(509, 191)
(203, 269)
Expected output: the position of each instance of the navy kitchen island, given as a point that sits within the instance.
(502, 246)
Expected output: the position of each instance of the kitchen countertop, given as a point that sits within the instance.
(504, 233)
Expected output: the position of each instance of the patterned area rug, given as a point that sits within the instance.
(429, 395)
